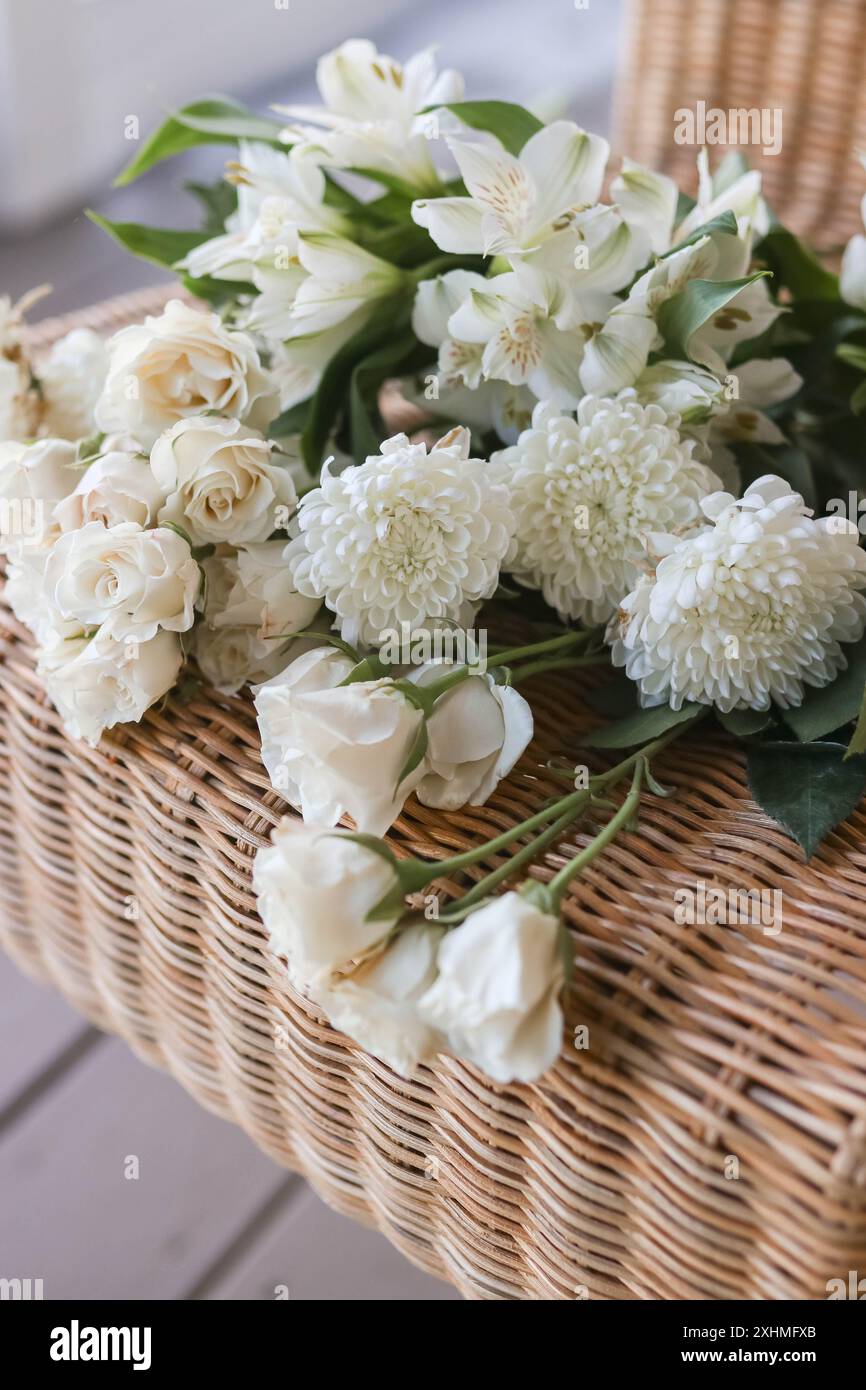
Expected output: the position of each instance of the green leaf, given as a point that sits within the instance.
(744, 723)
(725, 224)
(416, 753)
(788, 461)
(212, 121)
(365, 425)
(219, 201)
(219, 293)
(512, 125)
(159, 245)
(807, 788)
(858, 738)
(641, 727)
(292, 421)
(680, 317)
(858, 399)
(794, 266)
(833, 705)
(853, 354)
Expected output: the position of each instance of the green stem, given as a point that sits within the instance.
(524, 856)
(561, 663)
(560, 881)
(550, 644)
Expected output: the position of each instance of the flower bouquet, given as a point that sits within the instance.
(634, 445)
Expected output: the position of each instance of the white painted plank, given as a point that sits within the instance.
(312, 1253)
(36, 1028)
(70, 1217)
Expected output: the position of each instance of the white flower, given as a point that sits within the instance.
(516, 202)
(341, 278)
(497, 995)
(476, 733)
(24, 592)
(128, 581)
(116, 487)
(336, 750)
(377, 1004)
(20, 407)
(852, 276)
(182, 363)
(314, 889)
(409, 536)
(762, 381)
(33, 478)
(647, 200)
(747, 610)
(72, 377)
(250, 601)
(370, 119)
(584, 491)
(99, 683)
(219, 482)
(683, 389)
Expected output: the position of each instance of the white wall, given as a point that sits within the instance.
(71, 71)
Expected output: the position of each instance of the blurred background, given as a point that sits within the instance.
(200, 1213)
(72, 73)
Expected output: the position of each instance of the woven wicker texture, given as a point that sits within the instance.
(804, 57)
(709, 1142)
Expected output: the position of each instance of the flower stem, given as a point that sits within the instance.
(560, 881)
(561, 663)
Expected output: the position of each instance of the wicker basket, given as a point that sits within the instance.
(804, 57)
(709, 1142)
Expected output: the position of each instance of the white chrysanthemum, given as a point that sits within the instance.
(406, 537)
(747, 610)
(584, 491)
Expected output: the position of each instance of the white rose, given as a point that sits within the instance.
(117, 487)
(24, 591)
(127, 580)
(219, 482)
(334, 749)
(182, 363)
(72, 377)
(231, 657)
(377, 1004)
(19, 403)
(33, 478)
(315, 889)
(476, 733)
(497, 995)
(97, 684)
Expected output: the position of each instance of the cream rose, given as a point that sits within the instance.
(117, 487)
(334, 749)
(33, 478)
(315, 888)
(128, 581)
(71, 378)
(377, 1003)
(219, 482)
(476, 733)
(180, 364)
(497, 995)
(97, 684)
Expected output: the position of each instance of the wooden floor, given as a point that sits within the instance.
(113, 1182)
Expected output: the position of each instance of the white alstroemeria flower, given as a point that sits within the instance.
(585, 491)
(523, 341)
(219, 482)
(341, 278)
(852, 276)
(739, 193)
(683, 389)
(334, 749)
(516, 202)
(124, 579)
(747, 610)
(496, 998)
(647, 200)
(409, 536)
(116, 487)
(71, 378)
(183, 362)
(250, 602)
(315, 888)
(475, 735)
(760, 382)
(33, 479)
(376, 1004)
(370, 118)
(97, 684)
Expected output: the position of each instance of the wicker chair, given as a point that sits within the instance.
(709, 1142)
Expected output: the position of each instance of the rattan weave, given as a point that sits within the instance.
(804, 57)
(710, 1142)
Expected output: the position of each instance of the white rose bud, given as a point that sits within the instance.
(339, 750)
(377, 1004)
(180, 364)
(97, 684)
(127, 580)
(72, 377)
(117, 487)
(33, 479)
(315, 889)
(219, 483)
(476, 733)
(497, 995)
